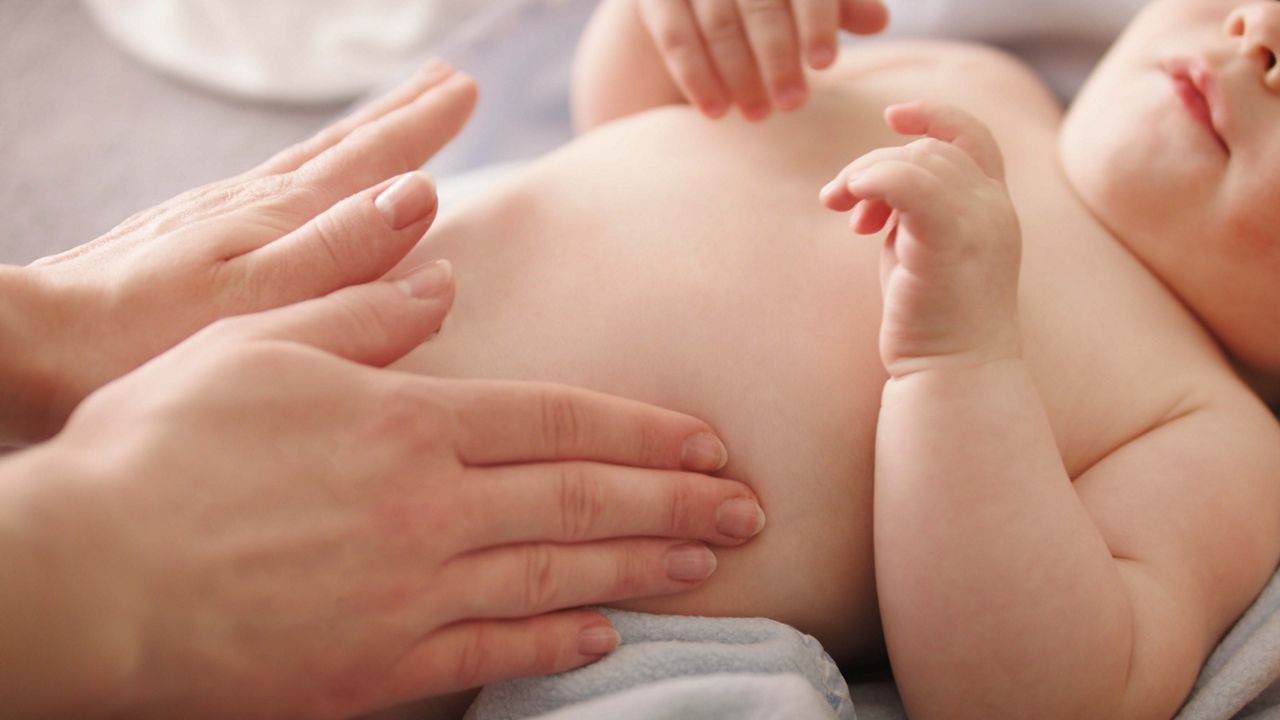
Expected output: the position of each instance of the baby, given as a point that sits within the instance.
(1004, 441)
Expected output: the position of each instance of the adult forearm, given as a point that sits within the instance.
(64, 645)
(999, 596)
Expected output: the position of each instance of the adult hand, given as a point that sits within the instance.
(752, 52)
(257, 524)
(317, 217)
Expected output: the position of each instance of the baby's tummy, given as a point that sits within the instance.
(764, 327)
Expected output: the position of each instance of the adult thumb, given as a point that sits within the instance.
(373, 324)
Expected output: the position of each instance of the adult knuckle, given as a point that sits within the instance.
(582, 502)
(330, 230)
(681, 507)
(562, 421)
(631, 577)
(365, 317)
(539, 578)
(652, 447)
(475, 659)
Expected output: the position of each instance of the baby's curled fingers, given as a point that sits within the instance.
(679, 41)
(870, 217)
(950, 125)
(863, 17)
(722, 30)
(817, 24)
(836, 194)
(771, 33)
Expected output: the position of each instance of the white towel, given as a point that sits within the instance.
(685, 667)
(297, 51)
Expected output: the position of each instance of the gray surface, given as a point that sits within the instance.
(88, 136)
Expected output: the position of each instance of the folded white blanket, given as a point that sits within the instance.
(299, 51)
(685, 667)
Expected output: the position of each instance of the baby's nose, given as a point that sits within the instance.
(1257, 26)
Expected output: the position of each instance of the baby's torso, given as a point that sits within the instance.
(689, 264)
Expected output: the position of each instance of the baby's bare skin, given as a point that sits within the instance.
(690, 265)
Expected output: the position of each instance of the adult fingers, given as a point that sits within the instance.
(400, 141)
(541, 577)
(675, 32)
(477, 652)
(573, 502)
(817, 22)
(726, 40)
(514, 422)
(864, 17)
(951, 125)
(373, 324)
(771, 33)
(290, 159)
(355, 241)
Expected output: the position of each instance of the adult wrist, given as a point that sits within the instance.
(68, 639)
(34, 396)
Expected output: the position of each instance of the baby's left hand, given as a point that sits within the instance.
(949, 269)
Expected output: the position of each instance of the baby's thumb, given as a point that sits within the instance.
(373, 324)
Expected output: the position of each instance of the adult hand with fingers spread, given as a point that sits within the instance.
(320, 216)
(752, 53)
(262, 523)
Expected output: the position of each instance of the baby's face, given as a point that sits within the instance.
(1175, 145)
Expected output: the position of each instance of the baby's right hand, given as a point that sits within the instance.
(749, 53)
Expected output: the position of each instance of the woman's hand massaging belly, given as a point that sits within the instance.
(689, 264)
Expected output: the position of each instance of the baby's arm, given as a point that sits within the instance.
(618, 70)
(1005, 590)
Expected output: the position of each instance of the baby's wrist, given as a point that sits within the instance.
(33, 391)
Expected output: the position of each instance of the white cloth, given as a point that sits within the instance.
(674, 667)
(298, 51)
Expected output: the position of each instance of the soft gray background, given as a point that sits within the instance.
(88, 136)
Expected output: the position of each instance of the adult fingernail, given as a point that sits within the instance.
(704, 452)
(429, 281)
(598, 640)
(690, 562)
(740, 518)
(407, 201)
